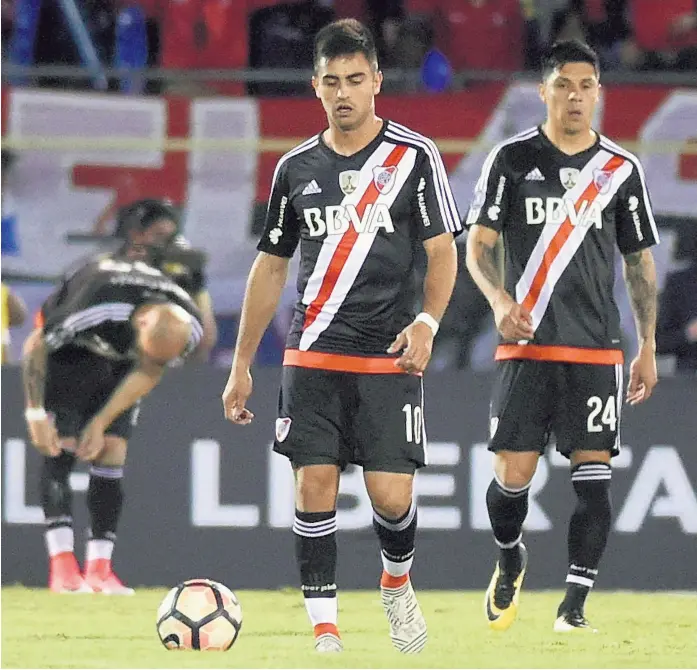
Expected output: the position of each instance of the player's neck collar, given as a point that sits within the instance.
(564, 154)
(369, 146)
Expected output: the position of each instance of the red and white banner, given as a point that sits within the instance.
(55, 192)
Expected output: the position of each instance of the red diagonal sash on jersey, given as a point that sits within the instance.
(560, 237)
(348, 239)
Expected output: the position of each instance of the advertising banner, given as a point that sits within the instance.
(206, 498)
(83, 154)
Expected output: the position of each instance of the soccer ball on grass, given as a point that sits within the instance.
(199, 614)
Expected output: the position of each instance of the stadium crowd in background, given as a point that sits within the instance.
(507, 35)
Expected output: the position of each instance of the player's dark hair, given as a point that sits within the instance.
(569, 51)
(141, 214)
(345, 38)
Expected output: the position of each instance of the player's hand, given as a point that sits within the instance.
(691, 331)
(44, 436)
(235, 396)
(643, 376)
(92, 441)
(513, 321)
(416, 343)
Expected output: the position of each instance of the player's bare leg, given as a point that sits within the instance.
(394, 521)
(507, 503)
(56, 499)
(104, 501)
(316, 489)
(589, 529)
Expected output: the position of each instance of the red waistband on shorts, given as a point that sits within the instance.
(341, 362)
(559, 354)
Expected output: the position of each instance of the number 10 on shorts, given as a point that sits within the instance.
(413, 423)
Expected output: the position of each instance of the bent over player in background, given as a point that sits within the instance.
(360, 198)
(108, 333)
(563, 197)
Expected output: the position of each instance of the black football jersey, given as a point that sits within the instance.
(360, 221)
(562, 218)
(92, 307)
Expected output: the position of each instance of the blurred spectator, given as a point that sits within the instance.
(54, 44)
(677, 319)
(205, 34)
(10, 239)
(543, 21)
(606, 28)
(7, 17)
(383, 17)
(665, 33)
(14, 313)
(414, 35)
(283, 37)
(100, 21)
(475, 34)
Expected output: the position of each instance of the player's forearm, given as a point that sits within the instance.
(640, 275)
(17, 310)
(264, 287)
(484, 269)
(34, 362)
(439, 282)
(136, 385)
(210, 328)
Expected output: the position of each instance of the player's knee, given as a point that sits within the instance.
(54, 487)
(392, 507)
(316, 488)
(515, 470)
(114, 452)
(390, 493)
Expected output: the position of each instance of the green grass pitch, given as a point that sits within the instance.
(648, 630)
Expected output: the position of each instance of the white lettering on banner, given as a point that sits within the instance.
(338, 218)
(674, 121)
(206, 509)
(661, 489)
(218, 189)
(354, 508)
(661, 469)
(222, 191)
(48, 207)
(438, 485)
(15, 507)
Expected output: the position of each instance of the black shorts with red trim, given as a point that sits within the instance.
(338, 417)
(578, 403)
(78, 384)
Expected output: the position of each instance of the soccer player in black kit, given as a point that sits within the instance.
(563, 197)
(104, 339)
(150, 230)
(361, 199)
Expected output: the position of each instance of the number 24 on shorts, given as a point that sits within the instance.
(608, 416)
